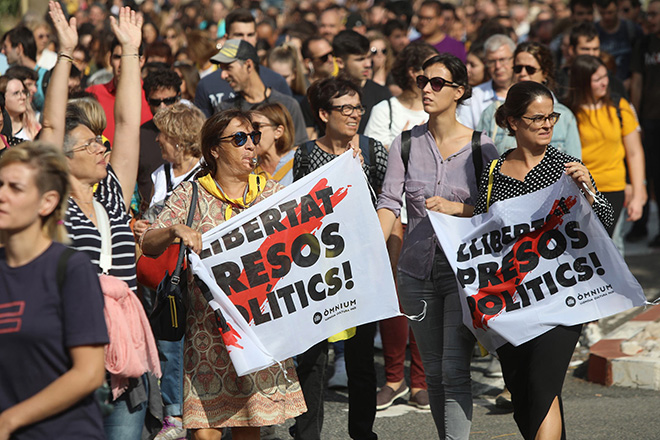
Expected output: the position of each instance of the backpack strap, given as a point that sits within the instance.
(405, 149)
(477, 159)
(389, 104)
(303, 168)
(491, 169)
(60, 274)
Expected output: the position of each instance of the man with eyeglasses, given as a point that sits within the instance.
(645, 95)
(212, 89)
(162, 87)
(431, 26)
(353, 58)
(19, 47)
(240, 66)
(106, 93)
(499, 61)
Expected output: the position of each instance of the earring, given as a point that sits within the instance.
(176, 146)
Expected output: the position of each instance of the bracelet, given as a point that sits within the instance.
(131, 55)
(66, 56)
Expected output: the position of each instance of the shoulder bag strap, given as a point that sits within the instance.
(168, 177)
(176, 276)
(491, 169)
(103, 225)
(372, 158)
(477, 160)
(304, 160)
(405, 149)
(60, 274)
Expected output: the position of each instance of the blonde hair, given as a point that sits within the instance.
(277, 114)
(52, 174)
(94, 112)
(183, 124)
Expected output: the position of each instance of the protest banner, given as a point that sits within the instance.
(298, 267)
(534, 262)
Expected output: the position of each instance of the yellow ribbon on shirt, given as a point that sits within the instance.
(255, 187)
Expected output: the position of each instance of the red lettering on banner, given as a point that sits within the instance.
(492, 297)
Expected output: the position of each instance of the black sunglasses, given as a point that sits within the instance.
(437, 83)
(240, 138)
(375, 51)
(519, 67)
(324, 58)
(167, 101)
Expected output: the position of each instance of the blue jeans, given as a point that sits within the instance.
(445, 345)
(125, 422)
(171, 383)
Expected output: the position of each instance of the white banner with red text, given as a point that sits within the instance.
(534, 262)
(298, 267)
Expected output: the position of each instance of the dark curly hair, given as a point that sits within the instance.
(322, 92)
(161, 79)
(412, 56)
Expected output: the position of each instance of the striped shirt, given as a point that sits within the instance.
(86, 238)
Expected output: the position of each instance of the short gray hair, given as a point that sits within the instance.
(496, 41)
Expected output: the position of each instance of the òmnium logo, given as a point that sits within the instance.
(317, 318)
(570, 301)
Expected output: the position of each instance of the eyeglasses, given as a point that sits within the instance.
(154, 102)
(42, 36)
(91, 145)
(376, 51)
(240, 138)
(348, 109)
(324, 58)
(519, 68)
(18, 93)
(437, 83)
(539, 121)
(491, 63)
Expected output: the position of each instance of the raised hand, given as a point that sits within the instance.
(67, 33)
(128, 29)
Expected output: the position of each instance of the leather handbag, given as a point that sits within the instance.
(169, 315)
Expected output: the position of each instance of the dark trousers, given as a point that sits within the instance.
(359, 356)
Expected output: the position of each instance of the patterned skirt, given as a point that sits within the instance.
(213, 394)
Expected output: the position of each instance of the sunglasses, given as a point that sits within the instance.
(519, 68)
(240, 138)
(154, 102)
(324, 58)
(437, 83)
(376, 51)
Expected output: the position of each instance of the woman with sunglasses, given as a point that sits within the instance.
(227, 187)
(439, 175)
(101, 191)
(534, 371)
(382, 57)
(535, 62)
(275, 152)
(610, 137)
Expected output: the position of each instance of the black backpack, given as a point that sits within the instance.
(367, 145)
(477, 160)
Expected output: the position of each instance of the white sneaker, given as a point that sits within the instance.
(339, 378)
(172, 430)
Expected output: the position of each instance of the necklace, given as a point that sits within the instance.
(80, 203)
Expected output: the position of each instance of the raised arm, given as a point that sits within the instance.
(54, 114)
(126, 147)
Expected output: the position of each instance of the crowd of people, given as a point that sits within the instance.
(119, 120)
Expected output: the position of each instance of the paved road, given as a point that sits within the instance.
(593, 412)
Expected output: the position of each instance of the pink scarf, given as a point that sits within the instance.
(132, 350)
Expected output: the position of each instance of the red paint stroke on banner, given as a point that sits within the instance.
(231, 337)
(480, 319)
(287, 237)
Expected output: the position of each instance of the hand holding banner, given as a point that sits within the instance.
(534, 262)
(298, 267)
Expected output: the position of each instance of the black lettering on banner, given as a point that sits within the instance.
(560, 275)
(314, 294)
(309, 209)
(314, 250)
(461, 256)
(216, 247)
(496, 241)
(535, 286)
(271, 221)
(285, 293)
(507, 236)
(255, 269)
(490, 305)
(274, 305)
(290, 209)
(584, 271)
(526, 254)
(333, 281)
(233, 239)
(509, 269)
(259, 318)
(324, 194)
(544, 242)
(522, 293)
(252, 230)
(520, 230)
(466, 276)
(474, 251)
(552, 287)
(244, 313)
(510, 304)
(300, 288)
(487, 274)
(276, 257)
(330, 237)
(226, 276)
(580, 239)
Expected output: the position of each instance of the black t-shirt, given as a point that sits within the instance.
(646, 60)
(38, 325)
(372, 94)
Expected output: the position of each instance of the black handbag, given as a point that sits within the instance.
(168, 319)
